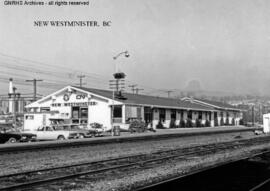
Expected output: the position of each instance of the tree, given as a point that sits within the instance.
(189, 123)
(172, 123)
(182, 123)
(207, 123)
(198, 123)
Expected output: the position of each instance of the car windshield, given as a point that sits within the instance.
(59, 128)
(41, 128)
(49, 128)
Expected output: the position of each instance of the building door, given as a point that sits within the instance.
(84, 115)
(75, 114)
(148, 115)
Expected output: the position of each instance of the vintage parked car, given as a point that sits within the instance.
(83, 130)
(54, 133)
(79, 131)
(97, 129)
(16, 136)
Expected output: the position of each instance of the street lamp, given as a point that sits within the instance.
(117, 76)
(125, 53)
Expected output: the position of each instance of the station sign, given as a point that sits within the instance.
(90, 103)
(67, 97)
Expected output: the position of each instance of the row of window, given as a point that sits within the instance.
(162, 114)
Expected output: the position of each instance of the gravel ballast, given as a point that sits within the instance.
(18, 162)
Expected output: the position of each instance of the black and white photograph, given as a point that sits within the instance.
(141, 95)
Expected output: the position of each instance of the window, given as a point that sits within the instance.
(173, 114)
(215, 115)
(162, 115)
(189, 116)
(29, 117)
(84, 112)
(48, 128)
(75, 112)
(42, 109)
(221, 114)
(117, 112)
(148, 114)
(139, 112)
(41, 129)
(200, 115)
(182, 114)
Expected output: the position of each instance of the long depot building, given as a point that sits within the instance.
(79, 105)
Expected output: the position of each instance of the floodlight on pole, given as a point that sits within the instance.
(125, 53)
(117, 76)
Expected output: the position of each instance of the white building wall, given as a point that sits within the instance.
(155, 117)
(212, 122)
(266, 123)
(32, 121)
(218, 117)
(230, 117)
(64, 112)
(203, 117)
(194, 116)
(167, 118)
(123, 114)
(100, 113)
(185, 114)
(142, 110)
(178, 117)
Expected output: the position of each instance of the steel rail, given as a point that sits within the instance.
(149, 186)
(260, 186)
(213, 147)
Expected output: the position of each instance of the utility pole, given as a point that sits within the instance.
(253, 115)
(81, 77)
(35, 87)
(137, 90)
(133, 88)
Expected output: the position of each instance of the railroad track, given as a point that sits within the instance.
(76, 172)
(265, 185)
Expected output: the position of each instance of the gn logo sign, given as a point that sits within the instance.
(66, 97)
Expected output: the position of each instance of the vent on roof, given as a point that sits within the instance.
(119, 95)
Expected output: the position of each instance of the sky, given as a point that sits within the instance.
(222, 44)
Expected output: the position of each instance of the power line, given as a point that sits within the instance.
(101, 79)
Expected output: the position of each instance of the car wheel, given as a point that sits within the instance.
(61, 137)
(12, 140)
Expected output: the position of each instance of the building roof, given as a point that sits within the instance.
(215, 104)
(138, 99)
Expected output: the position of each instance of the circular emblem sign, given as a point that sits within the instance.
(66, 97)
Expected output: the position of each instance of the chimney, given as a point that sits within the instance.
(10, 95)
(10, 86)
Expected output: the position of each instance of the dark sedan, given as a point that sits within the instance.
(13, 137)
